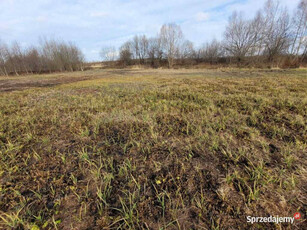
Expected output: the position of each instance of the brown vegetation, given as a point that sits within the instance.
(51, 56)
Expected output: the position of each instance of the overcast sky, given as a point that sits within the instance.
(92, 24)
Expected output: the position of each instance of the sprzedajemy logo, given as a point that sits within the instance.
(273, 219)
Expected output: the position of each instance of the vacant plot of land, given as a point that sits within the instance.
(153, 149)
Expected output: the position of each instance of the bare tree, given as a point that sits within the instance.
(143, 47)
(125, 53)
(299, 29)
(187, 50)
(33, 60)
(240, 38)
(212, 51)
(257, 30)
(19, 57)
(276, 24)
(139, 46)
(154, 52)
(3, 59)
(61, 56)
(108, 53)
(135, 46)
(11, 60)
(171, 38)
(48, 53)
(304, 52)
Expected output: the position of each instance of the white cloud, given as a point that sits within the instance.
(94, 51)
(201, 16)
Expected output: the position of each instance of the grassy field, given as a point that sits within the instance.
(153, 149)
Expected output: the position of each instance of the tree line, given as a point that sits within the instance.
(50, 56)
(272, 38)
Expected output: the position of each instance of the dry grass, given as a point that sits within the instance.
(153, 149)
